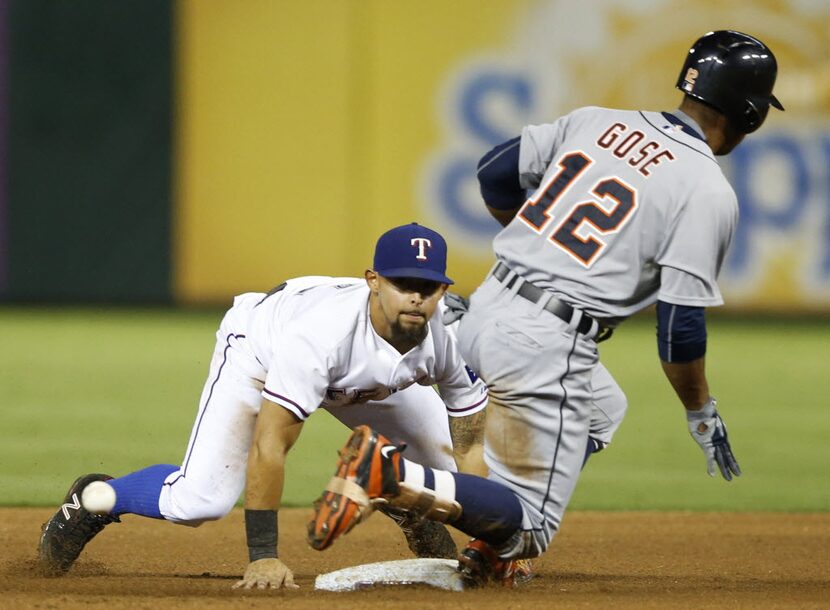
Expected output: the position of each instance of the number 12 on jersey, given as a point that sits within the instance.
(572, 234)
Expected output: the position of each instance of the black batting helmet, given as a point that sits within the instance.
(734, 73)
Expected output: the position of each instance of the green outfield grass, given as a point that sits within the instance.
(97, 390)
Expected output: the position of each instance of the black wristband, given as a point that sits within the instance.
(261, 530)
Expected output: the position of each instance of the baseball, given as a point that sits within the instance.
(98, 497)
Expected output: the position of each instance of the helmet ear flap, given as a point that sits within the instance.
(752, 116)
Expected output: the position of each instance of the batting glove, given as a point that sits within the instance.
(708, 429)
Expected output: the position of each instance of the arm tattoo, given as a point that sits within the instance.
(467, 431)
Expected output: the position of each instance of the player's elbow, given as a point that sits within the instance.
(268, 452)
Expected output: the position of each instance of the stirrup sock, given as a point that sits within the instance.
(138, 492)
(427, 492)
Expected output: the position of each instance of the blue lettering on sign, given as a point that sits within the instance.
(457, 177)
(747, 162)
(481, 92)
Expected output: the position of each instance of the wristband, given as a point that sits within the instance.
(261, 530)
(705, 412)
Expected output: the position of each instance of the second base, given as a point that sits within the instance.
(440, 573)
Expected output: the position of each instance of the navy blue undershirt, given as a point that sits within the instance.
(681, 332)
(498, 176)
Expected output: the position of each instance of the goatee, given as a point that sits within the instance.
(409, 335)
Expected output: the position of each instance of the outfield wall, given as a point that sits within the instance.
(85, 207)
(298, 132)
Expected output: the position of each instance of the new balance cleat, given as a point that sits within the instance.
(367, 474)
(479, 564)
(66, 534)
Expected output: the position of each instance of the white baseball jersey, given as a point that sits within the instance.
(319, 348)
(627, 208)
(312, 345)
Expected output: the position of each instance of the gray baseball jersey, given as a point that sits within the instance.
(627, 208)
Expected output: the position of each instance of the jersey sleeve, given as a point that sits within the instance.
(693, 253)
(298, 376)
(461, 389)
(539, 144)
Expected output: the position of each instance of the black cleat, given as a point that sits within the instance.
(65, 535)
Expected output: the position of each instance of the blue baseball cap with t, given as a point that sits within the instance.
(412, 251)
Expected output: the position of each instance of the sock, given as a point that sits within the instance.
(490, 512)
(138, 492)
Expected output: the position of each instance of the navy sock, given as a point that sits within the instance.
(138, 492)
(491, 511)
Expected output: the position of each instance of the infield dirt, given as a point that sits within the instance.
(619, 560)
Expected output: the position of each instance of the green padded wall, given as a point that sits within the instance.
(89, 174)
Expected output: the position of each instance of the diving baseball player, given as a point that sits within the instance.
(367, 350)
(627, 209)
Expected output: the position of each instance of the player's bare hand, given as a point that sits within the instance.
(708, 429)
(267, 574)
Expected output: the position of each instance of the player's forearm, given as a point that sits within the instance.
(275, 433)
(472, 462)
(263, 493)
(468, 442)
(689, 382)
(264, 480)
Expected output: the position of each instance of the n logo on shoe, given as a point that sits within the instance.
(76, 504)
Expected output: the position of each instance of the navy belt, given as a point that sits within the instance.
(561, 310)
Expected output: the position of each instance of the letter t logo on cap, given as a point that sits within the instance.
(422, 243)
(412, 251)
